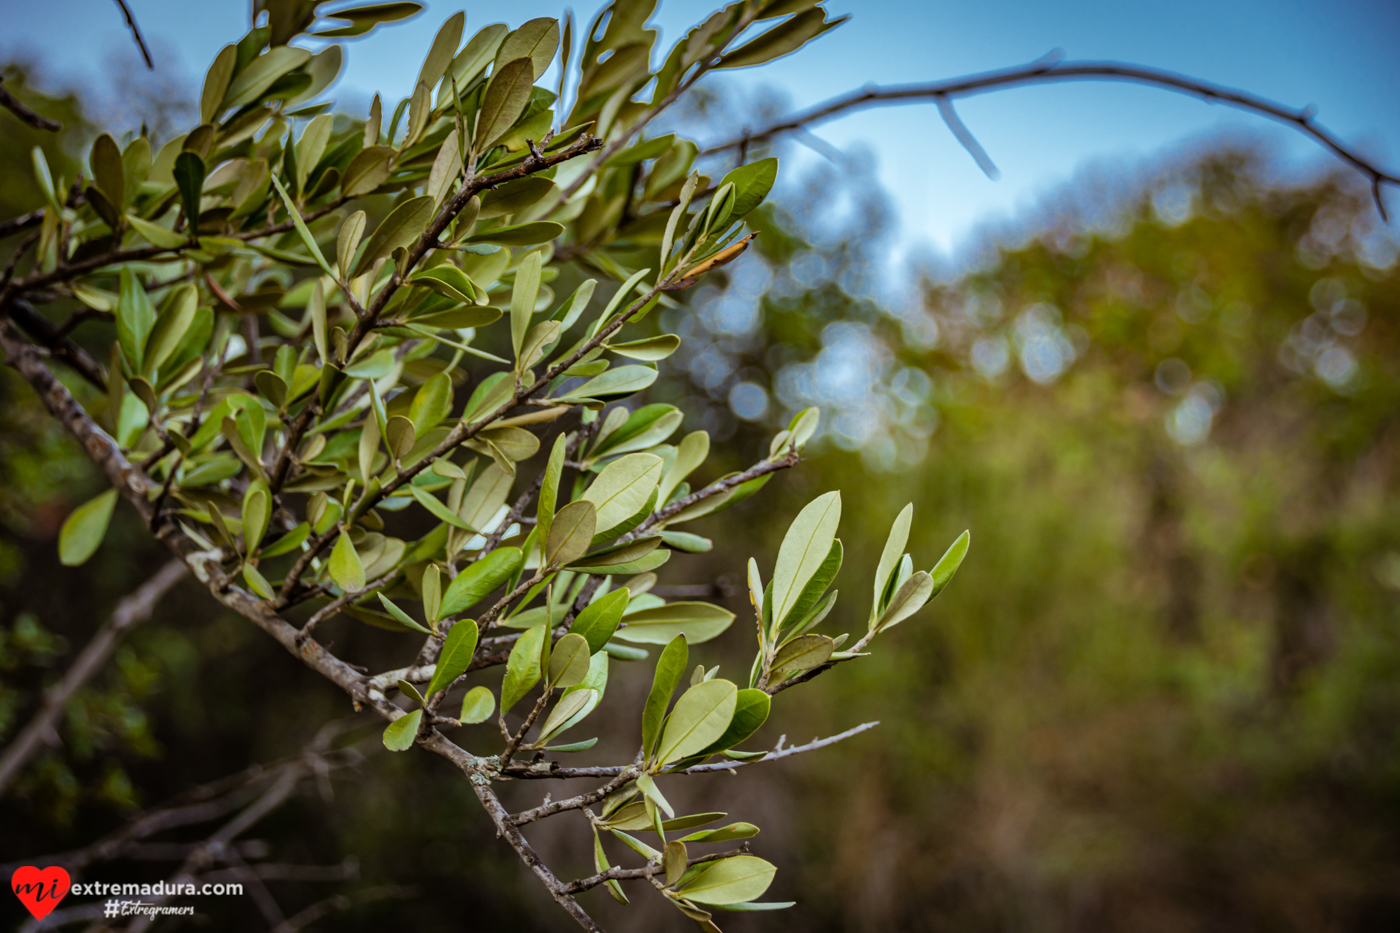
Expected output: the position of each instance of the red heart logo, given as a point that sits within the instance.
(40, 888)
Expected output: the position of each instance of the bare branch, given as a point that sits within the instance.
(576, 803)
(131, 611)
(39, 122)
(547, 769)
(964, 135)
(61, 347)
(136, 34)
(1047, 70)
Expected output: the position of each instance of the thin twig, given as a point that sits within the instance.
(1047, 70)
(12, 104)
(136, 34)
(130, 612)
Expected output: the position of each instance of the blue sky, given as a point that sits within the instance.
(1338, 55)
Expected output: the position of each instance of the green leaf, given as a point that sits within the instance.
(803, 653)
(537, 40)
(650, 349)
(529, 234)
(752, 183)
(216, 83)
(400, 734)
(522, 299)
(85, 528)
(812, 591)
(567, 713)
(701, 716)
(455, 657)
(570, 534)
(135, 319)
(155, 234)
(751, 708)
(699, 622)
(616, 383)
(402, 617)
(345, 567)
(723, 834)
(514, 197)
(504, 102)
(477, 705)
(401, 228)
(169, 330)
(623, 488)
(302, 230)
(670, 667)
(189, 179)
(889, 557)
(549, 488)
(257, 582)
(730, 881)
(783, 39)
(599, 619)
(369, 169)
(485, 497)
(311, 147)
(804, 550)
(446, 280)
(107, 170)
(443, 48)
(568, 664)
(431, 403)
(288, 542)
(257, 511)
(259, 76)
(523, 666)
(948, 564)
(439, 511)
(480, 579)
(909, 599)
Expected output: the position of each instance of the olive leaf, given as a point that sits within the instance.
(84, 529)
(701, 715)
(455, 657)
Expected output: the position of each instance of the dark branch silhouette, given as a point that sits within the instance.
(1050, 69)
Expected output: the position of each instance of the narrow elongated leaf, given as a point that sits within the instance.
(485, 497)
(259, 76)
(455, 657)
(570, 708)
(537, 40)
(549, 488)
(135, 318)
(401, 228)
(443, 48)
(690, 453)
(670, 667)
(529, 234)
(480, 579)
(804, 549)
(523, 666)
(504, 102)
(257, 510)
(216, 83)
(889, 557)
(303, 231)
(702, 714)
(699, 622)
(751, 708)
(522, 299)
(783, 39)
(907, 600)
(84, 529)
(949, 563)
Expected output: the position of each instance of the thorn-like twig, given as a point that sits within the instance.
(136, 34)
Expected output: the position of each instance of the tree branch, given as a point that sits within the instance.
(39, 122)
(131, 611)
(136, 34)
(1048, 70)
